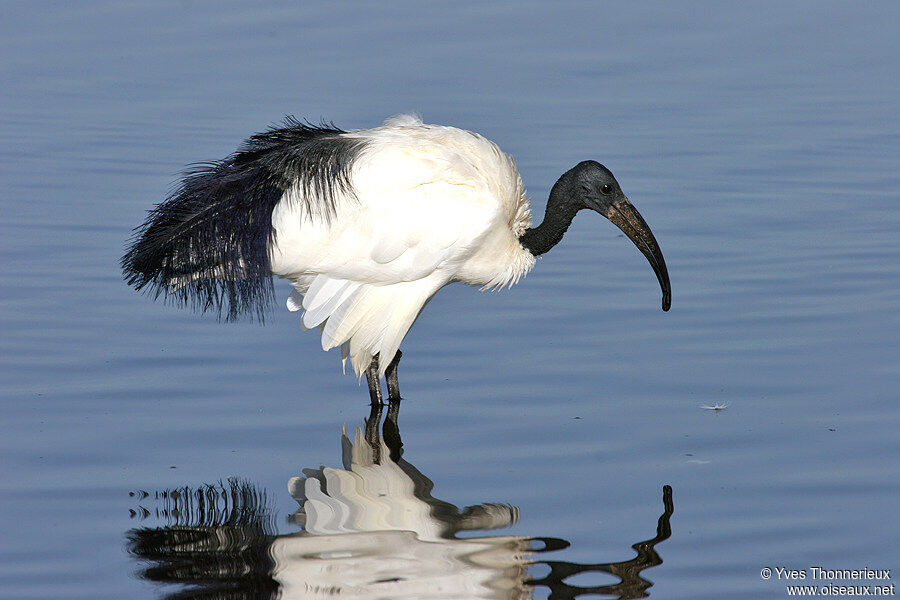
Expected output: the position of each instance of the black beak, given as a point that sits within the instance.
(626, 217)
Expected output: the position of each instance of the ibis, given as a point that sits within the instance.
(366, 225)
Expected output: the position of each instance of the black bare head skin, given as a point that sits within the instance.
(591, 185)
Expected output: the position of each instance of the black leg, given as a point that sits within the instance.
(390, 374)
(372, 380)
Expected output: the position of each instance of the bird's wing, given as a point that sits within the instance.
(207, 243)
(414, 213)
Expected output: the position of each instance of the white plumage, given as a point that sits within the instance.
(429, 205)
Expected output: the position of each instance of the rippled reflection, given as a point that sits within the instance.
(216, 541)
(371, 529)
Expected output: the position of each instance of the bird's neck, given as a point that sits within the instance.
(557, 217)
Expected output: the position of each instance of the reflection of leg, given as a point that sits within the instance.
(371, 432)
(390, 374)
(391, 429)
(372, 380)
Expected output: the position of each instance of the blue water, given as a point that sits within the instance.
(761, 144)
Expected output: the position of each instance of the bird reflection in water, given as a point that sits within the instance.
(372, 529)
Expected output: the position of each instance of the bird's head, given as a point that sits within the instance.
(591, 185)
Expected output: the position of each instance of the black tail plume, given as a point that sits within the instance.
(207, 245)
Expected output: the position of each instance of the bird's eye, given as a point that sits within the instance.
(606, 189)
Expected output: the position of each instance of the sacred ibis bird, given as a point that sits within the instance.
(367, 225)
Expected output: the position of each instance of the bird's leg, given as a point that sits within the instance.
(390, 374)
(372, 380)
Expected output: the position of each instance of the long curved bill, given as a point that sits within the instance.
(625, 216)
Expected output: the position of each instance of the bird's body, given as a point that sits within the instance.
(367, 225)
(429, 205)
